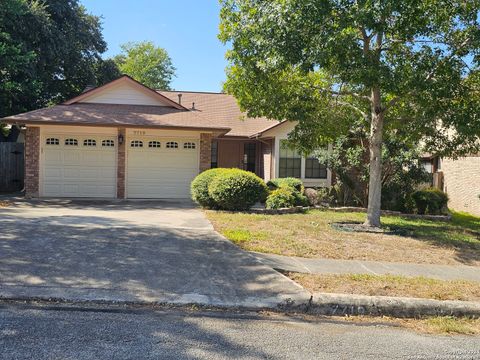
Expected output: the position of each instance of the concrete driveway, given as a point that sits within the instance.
(129, 251)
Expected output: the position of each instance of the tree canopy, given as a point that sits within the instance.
(146, 63)
(49, 51)
(380, 66)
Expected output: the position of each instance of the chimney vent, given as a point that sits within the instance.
(193, 106)
(180, 99)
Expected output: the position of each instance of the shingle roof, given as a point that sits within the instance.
(212, 111)
(116, 115)
(224, 111)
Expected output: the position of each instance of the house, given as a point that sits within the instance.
(125, 140)
(459, 178)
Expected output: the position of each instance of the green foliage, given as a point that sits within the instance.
(49, 51)
(430, 201)
(146, 63)
(402, 170)
(283, 197)
(290, 182)
(199, 187)
(324, 195)
(235, 189)
(374, 66)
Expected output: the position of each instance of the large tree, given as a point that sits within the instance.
(146, 63)
(49, 51)
(382, 65)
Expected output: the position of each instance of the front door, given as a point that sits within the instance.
(249, 157)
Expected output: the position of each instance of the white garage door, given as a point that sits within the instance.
(79, 166)
(161, 168)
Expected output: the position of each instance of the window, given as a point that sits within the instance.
(427, 166)
(52, 141)
(108, 143)
(189, 145)
(214, 155)
(172, 145)
(136, 143)
(89, 142)
(154, 144)
(290, 161)
(71, 142)
(314, 170)
(249, 156)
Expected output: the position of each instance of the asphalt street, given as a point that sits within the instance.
(30, 332)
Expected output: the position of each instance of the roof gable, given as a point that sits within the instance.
(124, 91)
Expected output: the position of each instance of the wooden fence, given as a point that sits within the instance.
(11, 166)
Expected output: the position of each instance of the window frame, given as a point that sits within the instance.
(89, 142)
(168, 145)
(294, 158)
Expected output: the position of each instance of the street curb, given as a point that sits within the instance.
(403, 307)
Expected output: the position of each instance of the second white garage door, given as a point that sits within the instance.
(160, 167)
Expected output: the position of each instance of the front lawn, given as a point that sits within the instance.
(311, 235)
(389, 285)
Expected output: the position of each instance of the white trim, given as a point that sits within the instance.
(307, 182)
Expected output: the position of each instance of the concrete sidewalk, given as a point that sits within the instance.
(331, 266)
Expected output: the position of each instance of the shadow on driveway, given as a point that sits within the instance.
(132, 254)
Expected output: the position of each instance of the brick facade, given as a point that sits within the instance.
(461, 183)
(205, 151)
(32, 162)
(121, 158)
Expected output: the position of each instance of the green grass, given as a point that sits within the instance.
(310, 234)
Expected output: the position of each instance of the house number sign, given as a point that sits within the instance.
(138, 132)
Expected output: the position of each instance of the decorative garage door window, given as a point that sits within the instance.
(71, 142)
(154, 144)
(108, 143)
(136, 143)
(189, 145)
(52, 141)
(172, 145)
(89, 142)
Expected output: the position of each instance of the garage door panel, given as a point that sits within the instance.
(79, 171)
(161, 172)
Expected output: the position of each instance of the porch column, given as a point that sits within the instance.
(205, 151)
(121, 164)
(32, 162)
(267, 154)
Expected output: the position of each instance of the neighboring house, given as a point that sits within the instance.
(125, 140)
(459, 178)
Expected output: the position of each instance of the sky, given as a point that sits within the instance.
(187, 29)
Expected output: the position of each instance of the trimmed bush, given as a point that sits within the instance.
(199, 187)
(291, 182)
(281, 198)
(235, 189)
(430, 201)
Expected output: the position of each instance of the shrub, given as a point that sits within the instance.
(199, 187)
(300, 199)
(235, 189)
(281, 198)
(430, 201)
(326, 195)
(291, 182)
(312, 196)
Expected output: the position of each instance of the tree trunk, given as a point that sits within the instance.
(375, 146)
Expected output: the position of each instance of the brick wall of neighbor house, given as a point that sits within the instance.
(121, 165)
(205, 151)
(461, 183)
(267, 159)
(32, 162)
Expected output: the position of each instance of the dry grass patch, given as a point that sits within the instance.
(311, 235)
(439, 325)
(389, 285)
